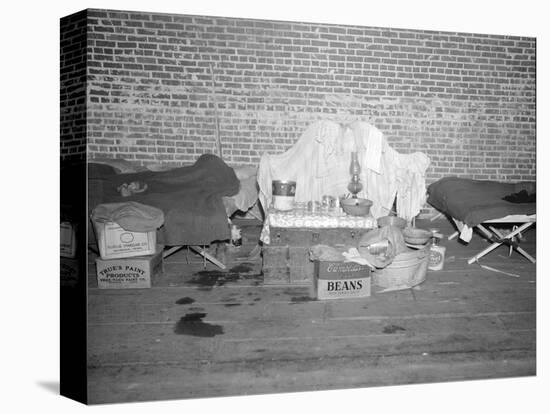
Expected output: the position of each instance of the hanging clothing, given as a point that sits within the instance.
(319, 163)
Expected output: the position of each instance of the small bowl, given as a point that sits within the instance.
(416, 236)
(392, 221)
(356, 206)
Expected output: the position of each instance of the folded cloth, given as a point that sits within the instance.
(465, 231)
(352, 255)
(325, 253)
(131, 216)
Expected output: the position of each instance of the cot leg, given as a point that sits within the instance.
(496, 244)
(484, 252)
(436, 216)
(170, 251)
(207, 256)
(516, 231)
(93, 249)
(485, 231)
(526, 255)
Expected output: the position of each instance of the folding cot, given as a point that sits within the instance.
(483, 204)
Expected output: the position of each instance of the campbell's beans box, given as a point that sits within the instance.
(341, 280)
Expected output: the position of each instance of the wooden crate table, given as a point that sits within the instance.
(288, 235)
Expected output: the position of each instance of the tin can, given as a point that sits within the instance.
(283, 194)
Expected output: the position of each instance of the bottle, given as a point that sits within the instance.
(437, 252)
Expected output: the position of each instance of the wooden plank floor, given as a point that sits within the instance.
(202, 332)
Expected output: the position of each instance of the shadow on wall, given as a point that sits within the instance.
(51, 386)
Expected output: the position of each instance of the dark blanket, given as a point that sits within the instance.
(521, 197)
(190, 197)
(474, 201)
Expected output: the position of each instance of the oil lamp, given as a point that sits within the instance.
(355, 185)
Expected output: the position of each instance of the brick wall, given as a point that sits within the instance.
(467, 100)
(73, 31)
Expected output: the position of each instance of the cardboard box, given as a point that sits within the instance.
(67, 240)
(69, 271)
(342, 280)
(114, 242)
(129, 273)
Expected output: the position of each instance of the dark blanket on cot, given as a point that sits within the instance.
(190, 197)
(474, 201)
